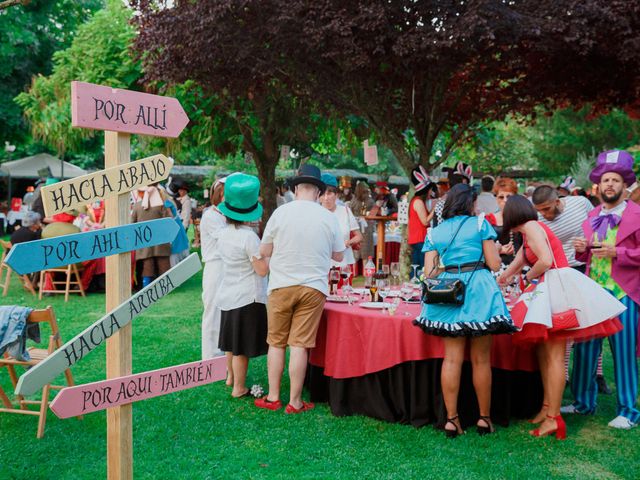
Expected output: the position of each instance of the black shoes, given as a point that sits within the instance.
(602, 385)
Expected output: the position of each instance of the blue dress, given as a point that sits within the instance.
(484, 311)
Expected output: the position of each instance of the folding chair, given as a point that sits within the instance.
(37, 355)
(5, 272)
(71, 271)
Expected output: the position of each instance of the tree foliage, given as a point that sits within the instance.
(29, 35)
(98, 54)
(446, 67)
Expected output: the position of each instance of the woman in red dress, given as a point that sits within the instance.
(560, 303)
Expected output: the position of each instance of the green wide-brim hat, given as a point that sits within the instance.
(241, 193)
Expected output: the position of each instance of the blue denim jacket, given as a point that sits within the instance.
(13, 331)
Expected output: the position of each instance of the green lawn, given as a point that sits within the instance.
(203, 433)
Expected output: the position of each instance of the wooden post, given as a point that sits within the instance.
(117, 151)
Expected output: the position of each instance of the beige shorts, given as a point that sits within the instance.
(294, 315)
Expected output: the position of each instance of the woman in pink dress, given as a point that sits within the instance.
(559, 303)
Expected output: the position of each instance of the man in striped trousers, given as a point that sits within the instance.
(612, 252)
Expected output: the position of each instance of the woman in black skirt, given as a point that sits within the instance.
(243, 291)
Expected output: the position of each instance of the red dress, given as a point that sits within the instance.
(565, 304)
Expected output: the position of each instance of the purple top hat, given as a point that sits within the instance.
(618, 161)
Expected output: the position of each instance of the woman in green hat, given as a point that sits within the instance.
(242, 295)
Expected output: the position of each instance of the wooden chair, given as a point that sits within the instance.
(71, 272)
(37, 355)
(5, 272)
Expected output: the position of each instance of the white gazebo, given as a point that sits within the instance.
(32, 167)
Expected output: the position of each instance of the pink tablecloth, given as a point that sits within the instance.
(353, 341)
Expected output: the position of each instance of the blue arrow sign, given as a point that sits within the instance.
(55, 252)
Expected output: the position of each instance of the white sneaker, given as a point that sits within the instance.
(568, 409)
(622, 422)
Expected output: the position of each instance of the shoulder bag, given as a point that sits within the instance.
(446, 291)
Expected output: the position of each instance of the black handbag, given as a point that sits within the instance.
(446, 291)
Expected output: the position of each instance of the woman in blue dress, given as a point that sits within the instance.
(463, 247)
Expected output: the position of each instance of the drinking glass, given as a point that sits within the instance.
(413, 275)
(345, 273)
(385, 270)
(393, 306)
(383, 290)
(395, 271)
(334, 278)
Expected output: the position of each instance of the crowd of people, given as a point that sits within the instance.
(568, 269)
(555, 267)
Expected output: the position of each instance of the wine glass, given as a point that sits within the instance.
(393, 306)
(383, 290)
(415, 267)
(345, 273)
(406, 292)
(385, 270)
(395, 271)
(334, 278)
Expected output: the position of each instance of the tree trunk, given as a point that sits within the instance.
(267, 174)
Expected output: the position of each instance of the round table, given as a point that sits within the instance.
(368, 362)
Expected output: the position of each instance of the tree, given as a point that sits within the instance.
(205, 42)
(424, 70)
(29, 35)
(98, 54)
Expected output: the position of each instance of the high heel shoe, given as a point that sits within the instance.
(535, 420)
(457, 431)
(560, 430)
(482, 430)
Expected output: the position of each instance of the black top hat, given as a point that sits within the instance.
(308, 174)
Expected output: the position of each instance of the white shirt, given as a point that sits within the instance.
(486, 203)
(240, 285)
(568, 225)
(304, 235)
(185, 211)
(347, 222)
(211, 224)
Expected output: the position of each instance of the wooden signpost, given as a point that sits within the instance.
(105, 108)
(93, 336)
(93, 397)
(119, 113)
(117, 180)
(39, 255)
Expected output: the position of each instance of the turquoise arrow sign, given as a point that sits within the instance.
(55, 252)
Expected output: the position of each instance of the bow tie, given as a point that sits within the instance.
(602, 223)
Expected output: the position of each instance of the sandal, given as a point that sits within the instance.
(305, 407)
(456, 423)
(268, 404)
(482, 430)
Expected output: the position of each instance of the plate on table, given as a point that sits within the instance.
(338, 299)
(373, 305)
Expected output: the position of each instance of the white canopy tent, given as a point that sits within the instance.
(29, 167)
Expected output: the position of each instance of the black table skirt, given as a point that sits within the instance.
(410, 393)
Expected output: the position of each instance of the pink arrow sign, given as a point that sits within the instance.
(104, 108)
(93, 397)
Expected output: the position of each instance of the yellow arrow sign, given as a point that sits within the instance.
(64, 196)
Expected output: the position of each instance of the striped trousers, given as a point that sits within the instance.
(625, 365)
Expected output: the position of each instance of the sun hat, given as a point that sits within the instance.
(617, 161)
(329, 180)
(308, 174)
(241, 193)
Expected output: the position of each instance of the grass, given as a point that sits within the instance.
(202, 433)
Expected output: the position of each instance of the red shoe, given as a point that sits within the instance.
(560, 430)
(268, 404)
(305, 406)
